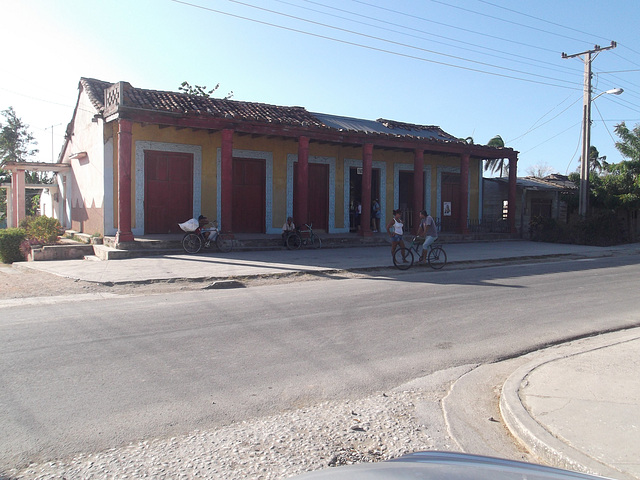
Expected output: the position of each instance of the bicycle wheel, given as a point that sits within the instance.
(224, 242)
(437, 258)
(403, 258)
(294, 241)
(315, 241)
(192, 243)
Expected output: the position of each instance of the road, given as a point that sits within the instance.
(90, 374)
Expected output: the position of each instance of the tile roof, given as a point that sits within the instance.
(185, 104)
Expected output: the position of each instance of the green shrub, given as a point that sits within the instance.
(10, 242)
(41, 230)
(599, 229)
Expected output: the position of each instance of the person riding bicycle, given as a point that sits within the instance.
(203, 222)
(428, 230)
(395, 229)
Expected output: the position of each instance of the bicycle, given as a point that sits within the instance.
(303, 237)
(194, 241)
(403, 257)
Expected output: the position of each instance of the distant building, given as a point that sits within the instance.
(534, 197)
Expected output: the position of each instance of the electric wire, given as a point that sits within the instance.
(540, 19)
(506, 21)
(554, 66)
(604, 123)
(400, 44)
(370, 47)
(511, 40)
(542, 124)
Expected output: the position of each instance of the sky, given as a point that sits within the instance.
(475, 68)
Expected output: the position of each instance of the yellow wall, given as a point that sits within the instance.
(280, 148)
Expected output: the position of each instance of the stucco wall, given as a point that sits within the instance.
(83, 190)
(279, 155)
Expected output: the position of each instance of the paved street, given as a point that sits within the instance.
(111, 371)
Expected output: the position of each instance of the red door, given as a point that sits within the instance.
(450, 207)
(248, 199)
(319, 195)
(168, 190)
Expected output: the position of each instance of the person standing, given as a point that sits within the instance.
(428, 230)
(288, 228)
(395, 229)
(375, 216)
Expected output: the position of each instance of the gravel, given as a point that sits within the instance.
(327, 435)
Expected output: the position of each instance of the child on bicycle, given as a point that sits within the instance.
(395, 229)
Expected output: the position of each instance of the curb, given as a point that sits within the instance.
(539, 441)
(304, 271)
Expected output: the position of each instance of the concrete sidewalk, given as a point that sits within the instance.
(215, 265)
(575, 406)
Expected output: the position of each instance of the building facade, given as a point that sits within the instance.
(142, 161)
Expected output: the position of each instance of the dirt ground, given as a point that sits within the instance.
(18, 282)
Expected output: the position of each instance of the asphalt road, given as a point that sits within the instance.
(88, 375)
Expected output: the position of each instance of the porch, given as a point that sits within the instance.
(170, 244)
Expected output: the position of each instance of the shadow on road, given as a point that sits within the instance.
(489, 274)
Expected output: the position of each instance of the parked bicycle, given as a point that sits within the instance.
(303, 237)
(194, 241)
(403, 257)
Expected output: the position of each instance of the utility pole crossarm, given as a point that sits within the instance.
(596, 48)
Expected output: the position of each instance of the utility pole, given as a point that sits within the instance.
(52, 159)
(586, 124)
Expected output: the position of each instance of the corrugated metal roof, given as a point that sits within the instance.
(387, 127)
(534, 183)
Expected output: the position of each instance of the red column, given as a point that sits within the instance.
(124, 181)
(367, 163)
(418, 187)
(464, 193)
(301, 188)
(511, 207)
(226, 183)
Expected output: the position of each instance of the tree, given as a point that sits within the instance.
(619, 188)
(496, 164)
(16, 145)
(200, 90)
(539, 170)
(630, 145)
(16, 142)
(597, 163)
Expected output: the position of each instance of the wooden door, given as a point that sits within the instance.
(450, 202)
(168, 190)
(319, 195)
(248, 198)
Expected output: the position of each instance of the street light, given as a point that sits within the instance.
(586, 144)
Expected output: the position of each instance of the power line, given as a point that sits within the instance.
(539, 19)
(382, 50)
(511, 40)
(506, 21)
(400, 44)
(405, 27)
(542, 124)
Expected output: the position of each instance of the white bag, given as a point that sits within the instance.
(190, 225)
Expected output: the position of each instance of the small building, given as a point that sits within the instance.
(141, 161)
(535, 197)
